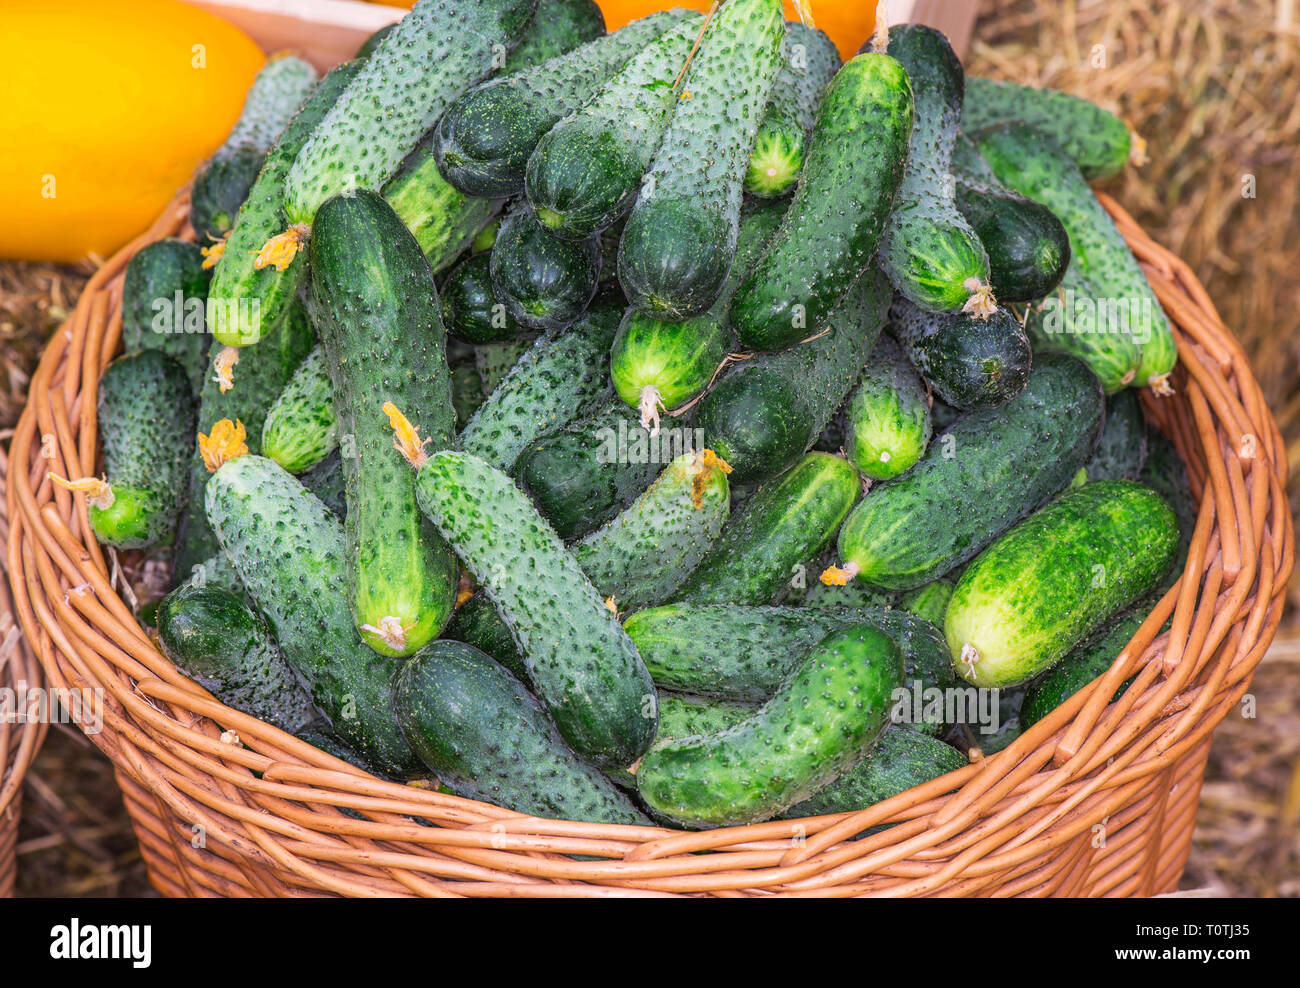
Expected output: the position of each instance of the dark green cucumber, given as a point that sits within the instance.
(320, 734)
(434, 53)
(470, 309)
(821, 722)
(1122, 448)
(833, 227)
(301, 427)
(467, 394)
(978, 478)
(1097, 140)
(583, 475)
(289, 550)
(682, 715)
(327, 482)
(247, 302)
(1085, 663)
(495, 361)
(828, 597)
(374, 303)
(970, 361)
(219, 573)
(929, 250)
(217, 640)
(374, 41)
(809, 60)
(163, 296)
(476, 622)
(943, 414)
(544, 281)
(888, 415)
(558, 26)
(146, 426)
(1027, 247)
(1164, 473)
(640, 557)
(786, 523)
(507, 753)
(1056, 578)
(585, 172)
(483, 141)
(553, 382)
(767, 411)
(1127, 311)
(929, 600)
(680, 238)
(582, 664)
(1073, 320)
(221, 183)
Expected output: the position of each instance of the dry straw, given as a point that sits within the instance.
(1094, 799)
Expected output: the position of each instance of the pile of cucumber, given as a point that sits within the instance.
(658, 426)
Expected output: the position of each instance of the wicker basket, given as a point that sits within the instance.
(1094, 800)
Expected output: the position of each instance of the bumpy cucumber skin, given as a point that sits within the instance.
(764, 414)
(495, 361)
(825, 717)
(374, 303)
(833, 227)
(245, 304)
(1056, 578)
(217, 639)
(682, 715)
(156, 276)
(374, 41)
(786, 523)
(586, 171)
(1067, 322)
(326, 481)
(476, 622)
(1027, 247)
(680, 238)
(929, 601)
(1084, 664)
(146, 425)
(971, 362)
(583, 475)
(220, 187)
(888, 415)
(1025, 162)
(289, 550)
(584, 667)
(466, 392)
(929, 250)
(219, 573)
(640, 557)
(823, 597)
(470, 308)
(483, 141)
(555, 380)
(507, 752)
(1122, 448)
(558, 27)
(301, 428)
(434, 53)
(1097, 140)
(978, 478)
(544, 281)
(1165, 474)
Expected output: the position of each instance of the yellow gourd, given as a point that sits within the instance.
(105, 111)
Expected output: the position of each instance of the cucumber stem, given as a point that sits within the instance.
(969, 656)
(705, 461)
(390, 630)
(1160, 385)
(99, 494)
(281, 249)
(224, 365)
(981, 302)
(651, 405)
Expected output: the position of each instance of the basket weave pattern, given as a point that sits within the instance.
(1093, 800)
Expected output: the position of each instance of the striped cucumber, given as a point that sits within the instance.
(1122, 448)
(680, 238)
(470, 308)
(929, 601)
(163, 297)
(301, 427)
(1056, 578)
(831, 232)
(544, 281)
(376, 308)
(888, 415)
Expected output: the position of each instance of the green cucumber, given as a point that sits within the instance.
(221, 183)
(586, 170)
(829, 597)
(327, 482)
(1128, 311)
(433, 54)
(483, 141)
(1122, 448)
(476, 622)
(507, 753)
(822, 721)
(558, 26)
(971, 362)
(928, 601)
(1085, 663)
(320, 734)
(248, 301)
(494, 361)
(374, 303)
(163, 296)
(219, 573)
(553, 382)
(301, 427)
(828, 237)
(943, 414)
(1057, 577)
(467, 394)
(544, 281)
(682, 715)
(767, 411)
(809, 60)
(639, 558)
(1027, 247)
(1073, 320)
(585, 669)
(1164, 473)
(374, 41)
(217, 640)
(978, 478)
(787, 522)
(146, 426)
(680, 238)
(929, 250)
(1097, 140)
(289, 551)
(470, 309)
(888, 415)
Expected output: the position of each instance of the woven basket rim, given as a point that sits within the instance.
(275, 805)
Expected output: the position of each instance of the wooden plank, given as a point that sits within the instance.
(955, 18)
